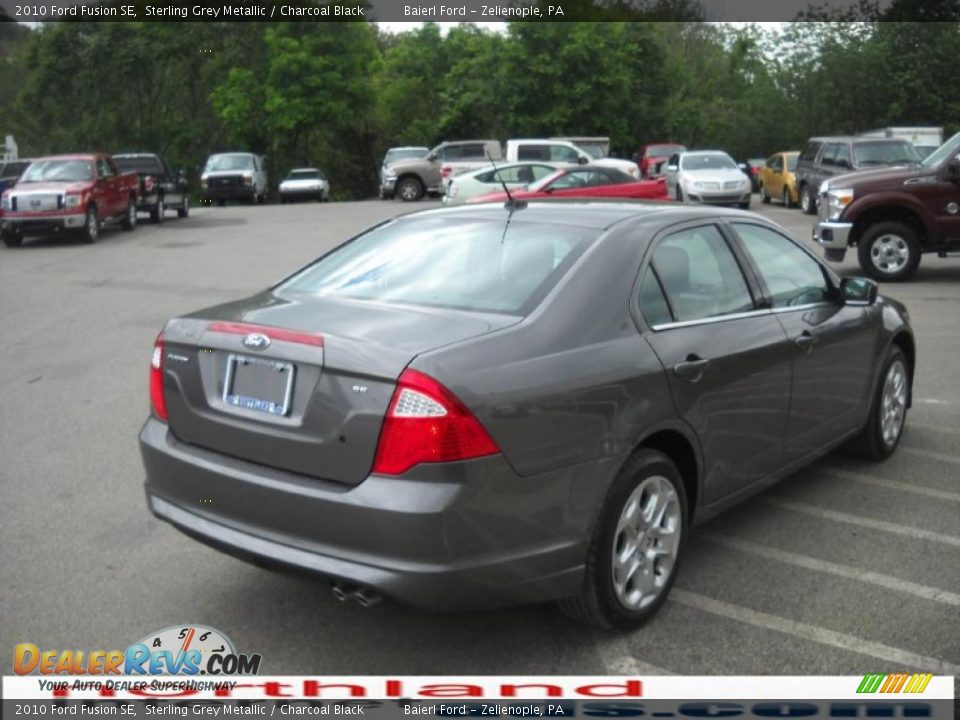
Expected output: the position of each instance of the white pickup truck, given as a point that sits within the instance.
(564, 152)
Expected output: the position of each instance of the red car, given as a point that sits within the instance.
(69, 194)
(586, 181)
(654, 156)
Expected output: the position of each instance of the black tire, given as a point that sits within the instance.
(91, 227)
(158, 211)
(871, 443)
(410, 189)
(787, 200)
(808, 200)
(184, 209)
(744, 205)
(129, 222)
(598, 603)
(893, 245)
(221, 203)
(12, 239)
(679, 193)
(764, 197)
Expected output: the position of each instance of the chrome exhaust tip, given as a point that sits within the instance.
(366, 597)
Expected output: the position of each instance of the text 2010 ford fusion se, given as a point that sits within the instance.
(497, 404)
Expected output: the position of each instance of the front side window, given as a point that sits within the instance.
(811, 150)
(792, 277)
(560, 153)
(700, 275)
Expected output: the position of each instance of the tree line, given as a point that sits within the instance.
(336, 95)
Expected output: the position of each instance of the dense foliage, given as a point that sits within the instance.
(336, 95)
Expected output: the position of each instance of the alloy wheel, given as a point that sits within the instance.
(893, 403)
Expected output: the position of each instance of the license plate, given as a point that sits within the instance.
(258, 384)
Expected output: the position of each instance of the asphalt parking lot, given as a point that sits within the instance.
(844, 568)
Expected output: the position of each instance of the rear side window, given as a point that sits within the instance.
(144, 164)
(533, 152)
(700, 275)
(467, 264)
(653, 303)
(467, 151)
(792, 277)
(810, 151)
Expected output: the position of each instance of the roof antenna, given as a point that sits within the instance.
(510, 204)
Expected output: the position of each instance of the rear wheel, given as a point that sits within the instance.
(745, 205)
(888, 410)
(12, 239)
(91, 226)
(889, 251)
(184, 209)
(636, 546)
(221, 203)
(679, 193)
(130, 221)
(808, 201)
(158, 212)
(410, 189)
(787, 200)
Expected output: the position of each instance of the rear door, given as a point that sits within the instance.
(831, 344)
(728, 362)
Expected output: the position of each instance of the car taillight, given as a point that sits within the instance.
(446, 171)
(148, 183)
(157, 400)
(426, 423)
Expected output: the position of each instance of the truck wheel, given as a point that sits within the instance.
(156, 215)
(130, 221)
(184, 209)
(410, 189)
(679, 193)
(91, 227)
(808, 201)
(889, 251)
(12, 239)
(637, 545)
(888, 410)
(764, 197)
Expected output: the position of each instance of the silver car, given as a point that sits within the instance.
(707, 176)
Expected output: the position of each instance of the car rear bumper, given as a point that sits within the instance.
(485, 537)
(42, 225)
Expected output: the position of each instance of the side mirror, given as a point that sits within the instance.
(671, 168)
(953, 168)
(844, 163)
(582, 160)
(858, 291)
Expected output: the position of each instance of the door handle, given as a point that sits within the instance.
(805, 341)
(692, 367)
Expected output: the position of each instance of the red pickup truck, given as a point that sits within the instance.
(68, 194)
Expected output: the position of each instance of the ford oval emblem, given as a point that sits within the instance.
(256, 341)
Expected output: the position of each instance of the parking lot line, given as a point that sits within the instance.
(895, 528)
(618, 660)
(899, 657)
(847, 571)
(891, 484)
(944, 457)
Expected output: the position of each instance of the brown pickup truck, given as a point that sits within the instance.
(893, 215)
(68, 194)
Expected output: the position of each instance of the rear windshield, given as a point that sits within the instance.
(462, 263)
(884, 153)
(13, 169)
(792, 162)
(139, 164)
(59, 171)
(304, 175)
(230, 162)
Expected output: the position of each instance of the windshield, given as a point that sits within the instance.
(792, 162)
(144, 164)
(597, 152)
(543, 182)
(440, 262)
(664, 150)
(884, 153)
(405, 154)
(304, 175)
(219, 163)
(713, 161)
(949, 148)
(59, 171)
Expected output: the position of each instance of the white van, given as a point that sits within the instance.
(234, 176)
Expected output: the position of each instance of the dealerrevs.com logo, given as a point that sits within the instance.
(177, 650)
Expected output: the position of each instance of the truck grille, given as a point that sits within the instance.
(232, 181)
(36, 202)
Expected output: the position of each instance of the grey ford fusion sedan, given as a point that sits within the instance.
(504, 404)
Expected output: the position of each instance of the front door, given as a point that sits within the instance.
(829, 342)
(727, 361)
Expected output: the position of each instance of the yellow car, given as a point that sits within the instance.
(777, 179)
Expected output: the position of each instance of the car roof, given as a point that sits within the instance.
(305, 169)
(706, 152)
(597, 214)
(853, 138)
(136, 155)
(72, 156)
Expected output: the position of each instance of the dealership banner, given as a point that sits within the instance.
(875, 695)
